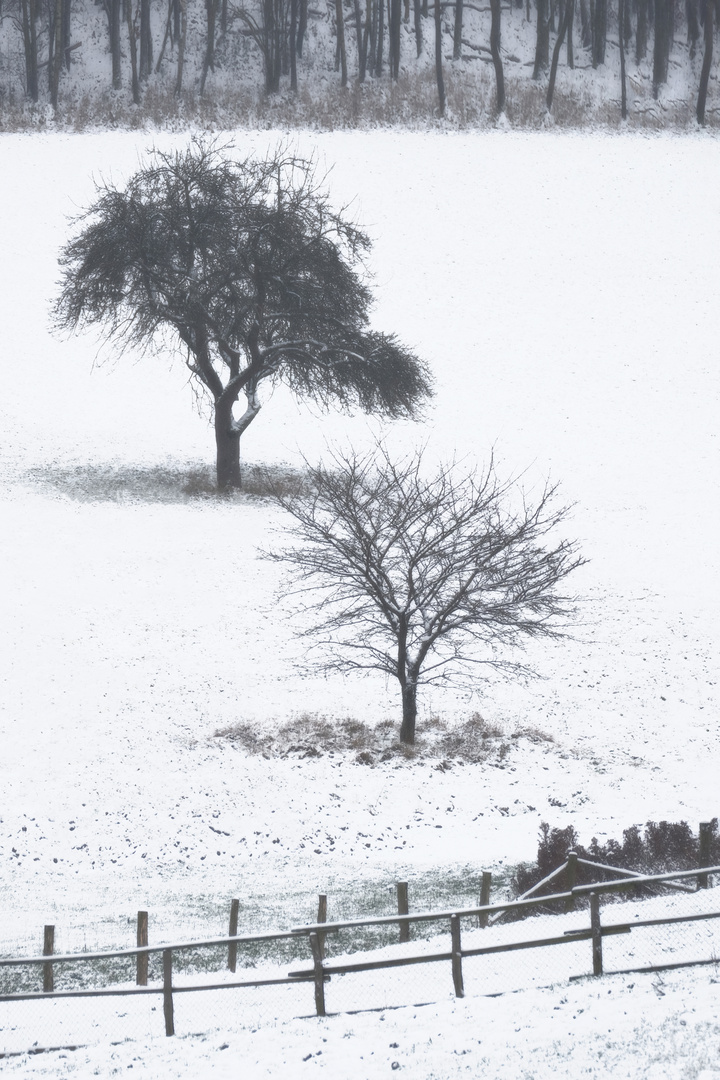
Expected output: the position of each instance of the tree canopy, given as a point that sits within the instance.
(244, 266)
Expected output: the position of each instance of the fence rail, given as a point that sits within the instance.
(322, 969)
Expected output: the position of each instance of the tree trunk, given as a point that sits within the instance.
(133, 53)
(693, 25)
(29, 14)
(181, 46)
(359, 40)
(661, 48)
(585, 31)
(707, 61)
(302, 26)
(66, 12)
(409, 705)
(457, 30)
(599, 32)
(114, 27)
(293, 45)
(395, 19)
(340, 30)
(641, 30)
(209, 59)
(542, 46)
(380, 35)
(570, 50)
(623, 86)
(146, 49)
(495, 9)
(438, 58)
(418, 26)
(55, 57)
(227, 442)
(556, 53)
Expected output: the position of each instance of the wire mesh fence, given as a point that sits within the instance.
(377, 963)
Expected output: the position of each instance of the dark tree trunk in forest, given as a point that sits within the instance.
(693, 25)
(361, 41)
(599, 31)
(707, 60)
(55, 56)
(394, 35)
(457, 30)
(495, 10)
(146, 49)
(133, 52)
(556, 52)
(272, 43)
(623, 86)
(293, 44)
(418, 26)
(29, 16)
(585, 31)
(302, 26)
(209, 59)
(340, 31)
(542, 46)
(113, 11)
(438, 58)
(65, 33)
(641, 30)
(663, 39)
(182, 4)
(570, 50)
(371, 31)
(380, 35)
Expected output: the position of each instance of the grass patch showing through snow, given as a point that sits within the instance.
(168, 483)
(312, 735)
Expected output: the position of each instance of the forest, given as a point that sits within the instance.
(355, 63)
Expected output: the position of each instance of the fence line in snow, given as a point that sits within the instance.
(321, 971)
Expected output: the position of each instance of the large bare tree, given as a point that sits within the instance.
(244, 269)
(424, 575)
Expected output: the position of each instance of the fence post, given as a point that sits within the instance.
(322, 917)
(596, 930)
(456, 947)
(48, 950)
(167, 992)
(141, 976)
(704, 860)
(484, 898)
(232, 932)
(403, 909)
(570, 878)
(319, 974)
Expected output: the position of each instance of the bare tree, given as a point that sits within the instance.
(244, 268)
(424, 577)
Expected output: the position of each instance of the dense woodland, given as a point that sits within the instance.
(365, 60)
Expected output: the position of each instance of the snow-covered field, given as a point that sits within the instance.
(561, 288)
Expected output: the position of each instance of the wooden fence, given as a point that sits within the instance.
(321, 970)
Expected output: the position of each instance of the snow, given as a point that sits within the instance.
(560, 289)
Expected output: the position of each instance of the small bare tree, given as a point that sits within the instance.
(424, 576)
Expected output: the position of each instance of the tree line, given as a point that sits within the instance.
(147, 37)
